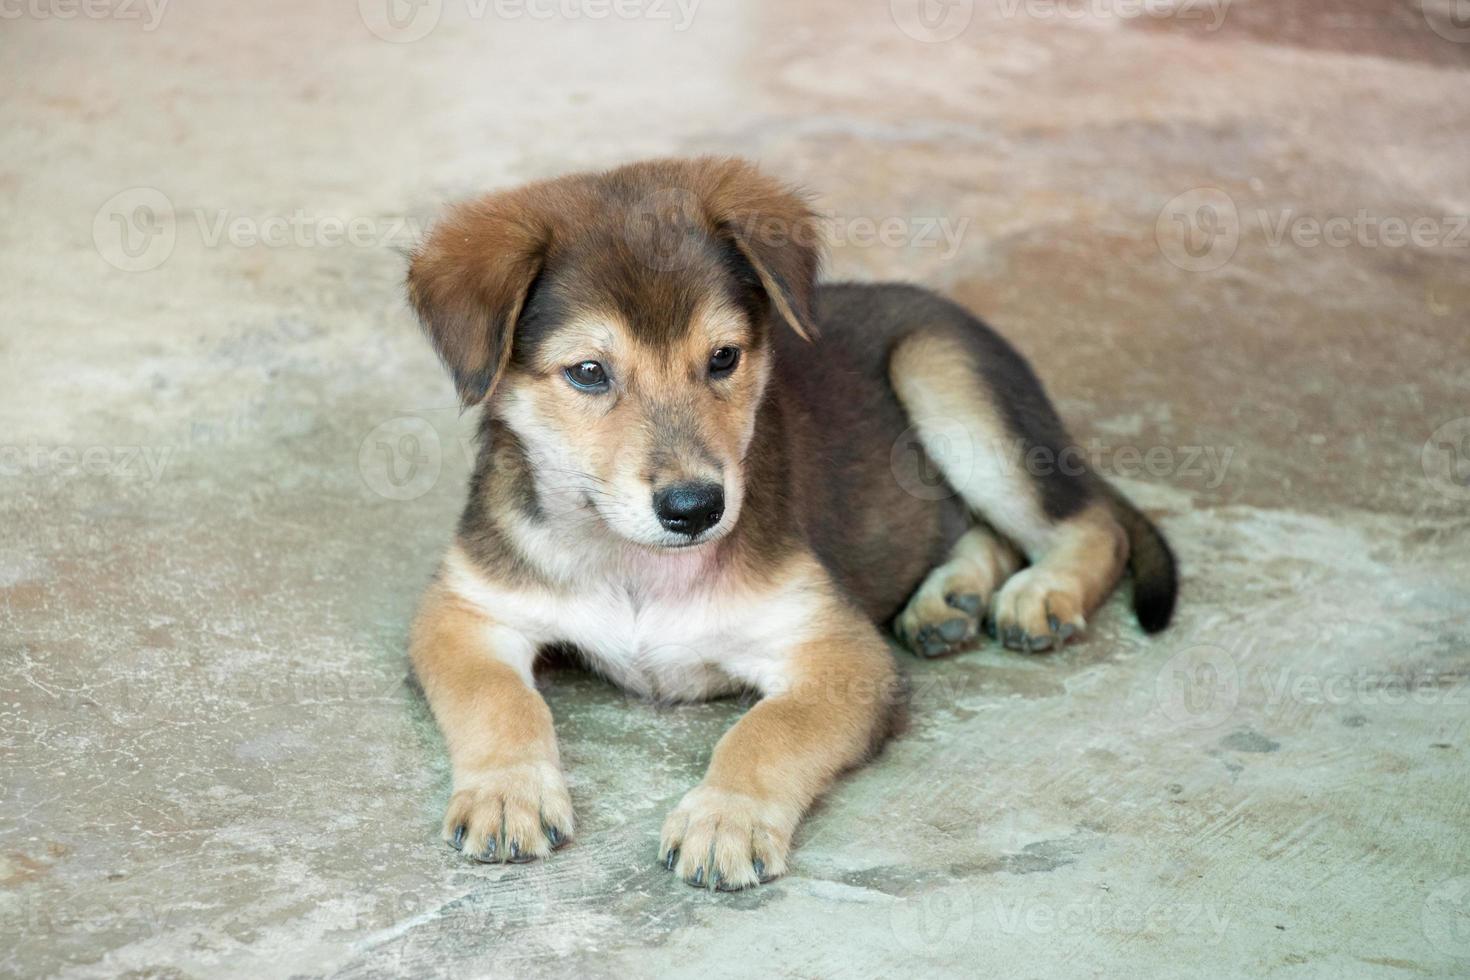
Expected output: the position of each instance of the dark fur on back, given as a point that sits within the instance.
(878, 539)
(833, 456)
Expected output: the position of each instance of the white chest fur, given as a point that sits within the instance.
(663, 626)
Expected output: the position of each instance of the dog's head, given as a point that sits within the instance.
(618, 324)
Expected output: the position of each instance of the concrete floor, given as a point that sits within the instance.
(228, 463)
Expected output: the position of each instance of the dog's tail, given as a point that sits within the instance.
(1151, 562)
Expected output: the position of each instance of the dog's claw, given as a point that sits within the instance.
(953, 629)
(672, 859)
(967, 602)
(458, 842)
(934, 647)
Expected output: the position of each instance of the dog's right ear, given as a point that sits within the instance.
(468, 283)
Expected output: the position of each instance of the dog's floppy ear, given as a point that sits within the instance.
(468, 283)
(776, 231)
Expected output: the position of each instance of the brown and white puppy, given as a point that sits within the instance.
(705, 474)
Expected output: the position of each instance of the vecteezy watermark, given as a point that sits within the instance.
(400, 21)
(934, 923)
(1446, 459)
(136, 230)
(1198, 687)
(1361, 687)
(400, 459)
(405, 21)
(1200, 230)
(940, 922)
(1201, 686)
(1450, 19)
(129, 463)
(668, 230)
(936, 457)
(1364, 229)
(1212, 12)
(149, 13)
(1445, 917)
(893, 231)
(1102, 916)
(932, 21)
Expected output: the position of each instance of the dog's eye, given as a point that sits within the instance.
(589, 376)
(723, 361)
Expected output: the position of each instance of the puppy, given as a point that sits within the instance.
(706, 474)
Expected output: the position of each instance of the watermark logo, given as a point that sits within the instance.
(664, 229)
(401, 458)
(1446, 459)
(1199, 230)
(939, 456)
(1103, 916)
(1198, 687)
(1445, 917)
(142, 464)
(1212, 12)
(931, 465)
(148, 12)
(932, 21)
(405, 21)
(934, 923)
(135, 230)
(1450, 19)
(400, 21)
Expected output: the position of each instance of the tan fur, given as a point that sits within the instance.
(508, 784)
(560, 544)
(957, 594)
(936, 381)
(602, 447)
(1075, 563)
(784, 753)
(1069, 580)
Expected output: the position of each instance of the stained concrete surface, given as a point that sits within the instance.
(230, 464)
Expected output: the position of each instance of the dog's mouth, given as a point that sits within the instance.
(656, 539)
(682, 542)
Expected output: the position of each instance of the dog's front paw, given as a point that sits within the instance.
(509, 813)
(725, 840)
(1038, 610)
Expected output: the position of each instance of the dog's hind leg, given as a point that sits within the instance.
(983, 418)
(944, 614)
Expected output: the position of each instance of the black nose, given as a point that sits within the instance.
(690, 508)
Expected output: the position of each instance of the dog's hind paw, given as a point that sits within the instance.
(943, 617)
(1038, 610)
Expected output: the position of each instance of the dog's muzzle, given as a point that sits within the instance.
(690, 508)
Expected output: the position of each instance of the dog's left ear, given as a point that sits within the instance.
(468, 283)
(777, 232)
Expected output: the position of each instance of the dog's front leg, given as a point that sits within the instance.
(510, 800)
(830, 708)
